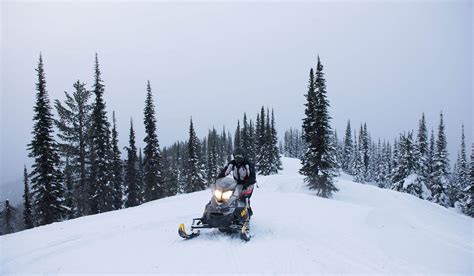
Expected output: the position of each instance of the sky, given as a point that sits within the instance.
(385, 63)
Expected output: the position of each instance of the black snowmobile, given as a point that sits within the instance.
(228, 210)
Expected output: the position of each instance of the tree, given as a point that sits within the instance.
(319, 160)
(275, 158)
(440, 182)
(117, 169)
(73, 126)
(460, 177)
(404, 178)
(131, 171)
(46, 178)
(8, 217)
(238, 136)
(348, 149)
(153, 179)
(27, 212)
(100, 193)
(467, 201)
(194, 171)
(212, 155)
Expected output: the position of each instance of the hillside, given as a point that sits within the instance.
(362, 229)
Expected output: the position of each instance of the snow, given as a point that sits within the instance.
(363, 229)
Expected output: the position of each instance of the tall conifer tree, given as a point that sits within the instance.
(153, 180)
(100, 193)
(27, 212)
(131, 172)
(319, 160)
(46, 178)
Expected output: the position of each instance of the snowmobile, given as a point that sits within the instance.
(229, 211)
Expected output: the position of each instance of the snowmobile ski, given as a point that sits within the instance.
(183, 234)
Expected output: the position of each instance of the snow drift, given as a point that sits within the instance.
(362, 229)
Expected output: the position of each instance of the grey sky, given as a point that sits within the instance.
(385, 64)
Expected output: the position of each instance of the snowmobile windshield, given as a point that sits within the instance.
(225, 184)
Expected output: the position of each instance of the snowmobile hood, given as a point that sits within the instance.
(225, 184)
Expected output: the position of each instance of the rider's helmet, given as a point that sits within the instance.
(239, 155)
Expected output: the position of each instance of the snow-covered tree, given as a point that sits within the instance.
(194, 175)
(117, 169)
(27, 212)
(348, 150)
(132, 172)
(440, 179)
(100, 192)
(460, 177)
(46, 178)
(319, 165)
(152, 175)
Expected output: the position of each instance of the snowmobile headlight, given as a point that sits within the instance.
(227, 195)
(218, 194)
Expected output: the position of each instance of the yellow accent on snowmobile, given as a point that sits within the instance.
(181, 227)
(244, 212)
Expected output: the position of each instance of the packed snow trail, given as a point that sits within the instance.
(363, 229)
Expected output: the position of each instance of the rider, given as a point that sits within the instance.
(243, 172)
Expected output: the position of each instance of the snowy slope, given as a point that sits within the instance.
(363, 229)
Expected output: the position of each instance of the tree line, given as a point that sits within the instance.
(80, 171)
(416, 163)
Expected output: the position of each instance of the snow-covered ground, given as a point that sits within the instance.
(363, 230)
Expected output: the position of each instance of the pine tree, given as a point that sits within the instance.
(275, 159)
(319, 160)
(170, 174)
(27, 212)
(441, 168)
(194, 171)
(348, 149)
(358, 161)
(405, 178)
(46, 178)
(467, 201)
(100, 193)
(152, 178)
(7, 215)
(117, 169)
(131, 172)
(212, 156)
(422, 156)
(460, 178)
(251, 154)
(238, 136)
(71, 211)
(73, 125)
(260, 141)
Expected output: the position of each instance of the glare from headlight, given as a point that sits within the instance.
(218, 194)
(227, 195)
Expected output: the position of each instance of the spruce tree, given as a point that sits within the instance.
(212, 155)
(131, 172)
(117, 169)
(252, 149)
(238, 136)
(441, 168)
(275, 164)
(467, 203)
(73, 125)
(7, 215)
(46, 178)
(68, 177)
(170, 174)
(152, 177)
(100, 192)
(460, 178)
(319, 160)
(195, 179)
(348, 149)
(27, 212)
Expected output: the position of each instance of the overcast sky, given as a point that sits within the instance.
(385, 64)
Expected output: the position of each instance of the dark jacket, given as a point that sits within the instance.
(243, 173)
